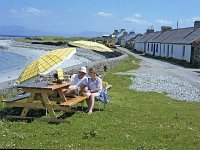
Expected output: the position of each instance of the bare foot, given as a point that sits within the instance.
(89, 113)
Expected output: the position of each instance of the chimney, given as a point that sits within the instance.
(132, 32)
(150, 31)
(165, 28)
(196, 25)
(122, 30)
(115, 32)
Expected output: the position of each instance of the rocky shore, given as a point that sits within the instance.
(34, 46)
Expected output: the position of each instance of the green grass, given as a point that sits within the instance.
(132, 120)
(53, 39)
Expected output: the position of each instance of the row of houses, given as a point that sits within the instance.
(181, 43)
(122, 36)
(118, 37)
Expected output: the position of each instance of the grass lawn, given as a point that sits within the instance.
(52, 39)
(132, 120)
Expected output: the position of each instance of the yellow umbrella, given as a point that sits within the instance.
(46, 63)
(91, 45)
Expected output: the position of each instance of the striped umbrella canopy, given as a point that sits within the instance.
(91, 45)
(46, 63)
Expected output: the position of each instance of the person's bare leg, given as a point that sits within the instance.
(88, 104)
(70, 92)
(91, 104)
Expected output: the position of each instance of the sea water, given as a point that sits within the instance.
(9, 61)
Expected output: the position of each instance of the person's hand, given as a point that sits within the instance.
(77, 88)
(88, 93)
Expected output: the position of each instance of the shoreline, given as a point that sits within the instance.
(13, 73)
(8, 78)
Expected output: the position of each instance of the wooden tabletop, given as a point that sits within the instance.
(43, 85)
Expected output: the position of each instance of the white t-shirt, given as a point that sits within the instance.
(77, 81)
(97, 83)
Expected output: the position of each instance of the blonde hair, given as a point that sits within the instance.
(93, 70)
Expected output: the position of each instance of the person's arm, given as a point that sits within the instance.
(83, 84)
(72, 79)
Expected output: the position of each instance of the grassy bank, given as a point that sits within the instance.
(52, 39)
(132, 120)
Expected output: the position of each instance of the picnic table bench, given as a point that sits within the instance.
(16, 98)
(74, 101)
(43, 90)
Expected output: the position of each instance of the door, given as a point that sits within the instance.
(167, 51)
(192, 56)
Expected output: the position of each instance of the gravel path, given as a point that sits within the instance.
(157, 76)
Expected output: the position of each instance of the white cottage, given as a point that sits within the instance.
(120, 34)
(140, 42)
(176, 43)
(127, 38)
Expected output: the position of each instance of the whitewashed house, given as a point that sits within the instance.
(177, 46)
(140, 42)
(181, 44)
(119, 35)
(130, 43)
(153, 44)
(127, 38)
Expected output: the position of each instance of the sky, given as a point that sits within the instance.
(76, 16)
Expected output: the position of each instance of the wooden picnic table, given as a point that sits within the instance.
(43, 90)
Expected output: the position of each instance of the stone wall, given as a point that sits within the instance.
(196, 54)
(101, 65)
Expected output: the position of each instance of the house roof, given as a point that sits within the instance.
(120, 33)
(138, 37)
(179, 35)
(129, 36)
(182, 35)
(122, 36)
(191, 37)
(157, 34)
(145, 37)
(163, 36)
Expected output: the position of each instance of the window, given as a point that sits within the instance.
(148, 47)
(183, 52)
(172, 50)
(156, 48)
(151, 47)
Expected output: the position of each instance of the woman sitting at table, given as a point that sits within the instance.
(79, 82)
(94, 89)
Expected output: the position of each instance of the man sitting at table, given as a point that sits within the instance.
(79, 82)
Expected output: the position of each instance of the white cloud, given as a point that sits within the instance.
(163, 22)
(103, 14)
(28, 11)
(137, 15)
(189, 20)
(135, 20)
